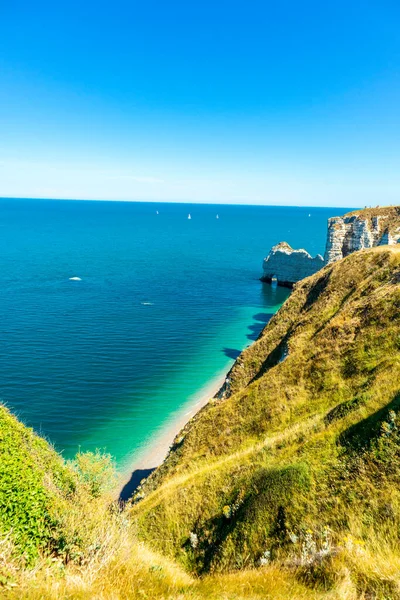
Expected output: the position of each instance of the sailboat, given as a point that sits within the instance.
(157, 212)
(217, 217)
(189, 217)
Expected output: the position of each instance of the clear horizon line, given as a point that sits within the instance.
(205, 202)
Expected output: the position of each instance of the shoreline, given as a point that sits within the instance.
(155, 452)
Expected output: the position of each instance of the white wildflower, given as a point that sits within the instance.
(265, 558)
(326, 546)
(309, 548)
(293, 537)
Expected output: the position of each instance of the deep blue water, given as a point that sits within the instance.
(164, 304)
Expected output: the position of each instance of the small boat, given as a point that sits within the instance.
(309, 215)
(189, 217)
(157, 213)
(217, 217)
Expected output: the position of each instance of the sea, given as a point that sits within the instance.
(115, 315)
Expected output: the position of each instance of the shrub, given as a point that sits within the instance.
(96, 470)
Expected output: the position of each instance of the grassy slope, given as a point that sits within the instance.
(298, 445)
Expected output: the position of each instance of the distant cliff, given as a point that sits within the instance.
(362, 229)
(354, 231)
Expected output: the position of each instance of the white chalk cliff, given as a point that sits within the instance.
(361, 229)
(355, 231)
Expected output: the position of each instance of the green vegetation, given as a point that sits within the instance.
(29, 508)
(49, 508)
(287, 488)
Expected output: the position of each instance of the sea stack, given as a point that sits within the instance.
(288, 265)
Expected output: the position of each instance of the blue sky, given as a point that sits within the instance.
(243, 102)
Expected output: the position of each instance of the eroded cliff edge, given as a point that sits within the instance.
(354, 231)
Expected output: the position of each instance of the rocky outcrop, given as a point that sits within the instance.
(287, 265)
(354, 231)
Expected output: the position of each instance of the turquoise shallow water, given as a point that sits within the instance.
(164, 304)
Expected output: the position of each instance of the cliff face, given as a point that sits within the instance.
(355, 231)
(289, 265)
(361, 229)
